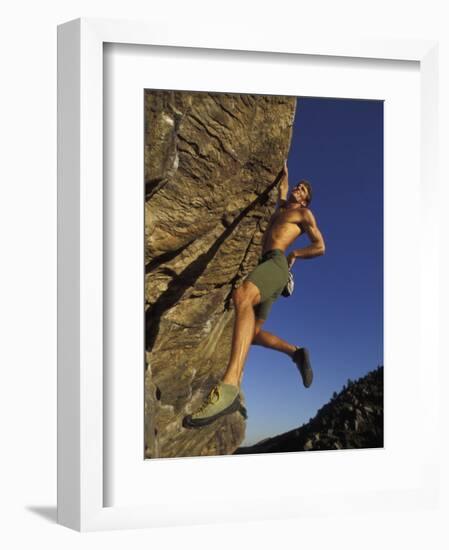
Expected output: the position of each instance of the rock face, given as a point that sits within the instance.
(212, 165)
(353, 419)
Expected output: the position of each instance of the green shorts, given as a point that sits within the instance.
(270, 277)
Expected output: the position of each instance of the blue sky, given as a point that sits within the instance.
(337, 308)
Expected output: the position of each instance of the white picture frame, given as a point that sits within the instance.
(81, 475)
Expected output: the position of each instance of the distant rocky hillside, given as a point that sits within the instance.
(353, 419)
(212, 166)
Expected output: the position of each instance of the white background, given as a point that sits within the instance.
(28, 285)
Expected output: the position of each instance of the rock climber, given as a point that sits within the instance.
(254, 298)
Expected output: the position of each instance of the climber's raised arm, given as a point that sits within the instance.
(283, 187)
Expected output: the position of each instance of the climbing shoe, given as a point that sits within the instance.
(223, 399)
(302, 360)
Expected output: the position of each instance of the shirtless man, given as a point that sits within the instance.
(254, 298)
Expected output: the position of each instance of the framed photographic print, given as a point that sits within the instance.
(194, 176)
(222, 220)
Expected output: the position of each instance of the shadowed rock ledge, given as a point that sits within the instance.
(212, 165)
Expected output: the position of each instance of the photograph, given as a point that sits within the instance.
(264, 269)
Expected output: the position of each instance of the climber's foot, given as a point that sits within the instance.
(223, 399)
(302, 360)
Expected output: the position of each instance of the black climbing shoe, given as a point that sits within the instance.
(302, 360)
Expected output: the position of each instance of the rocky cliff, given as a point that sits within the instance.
(212, 165)
(353, 419)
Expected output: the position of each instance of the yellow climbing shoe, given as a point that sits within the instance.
(223, 399)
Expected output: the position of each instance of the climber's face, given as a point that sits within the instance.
(300, 194)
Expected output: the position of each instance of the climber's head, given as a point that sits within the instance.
(301, 193)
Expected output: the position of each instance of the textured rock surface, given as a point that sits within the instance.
(353, 419)
(212, 164)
